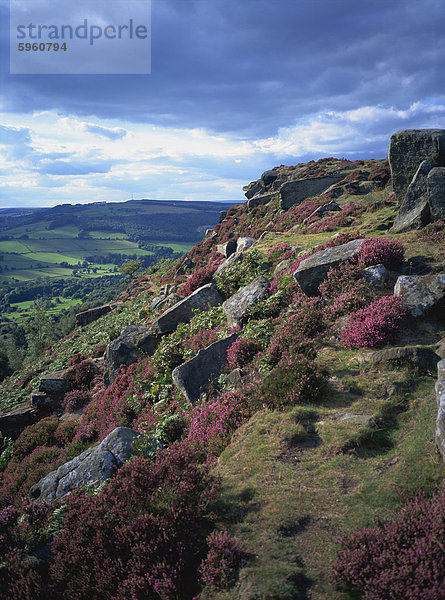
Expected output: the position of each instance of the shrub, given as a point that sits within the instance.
(278, 253)
(75, 399)
(81, 374)
(374, 325)
(376, 251)
(38, 434)
(238, 275)
(344, 291)
(296, 380)
(434, 232)
(220, 563)
(402, 557)
(242, 351)
(200, 277)
(142, 537)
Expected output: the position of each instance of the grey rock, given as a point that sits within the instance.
(182, 312)
(268, 177)
(313, 270)
(283, 266)
(94, 466)
(133, 343)
(227, 249)
(195, 376)
(235, 376)
(259, 200)
(324, 208)
(421, 293)
(361, 420)
(187, 263)
(45, 403)
(236, 257)
(14, 420)
(440, 398)
(377, 275)
(436, 190)
(422, 356)
(237, 305)
(55, 383)
(244, 243)
(366, 187)
(88, 316)
(294, 192)
(157, 301)
(208, 232)
(414, 210)
(254, 187)
(440, 348)
(407, 149)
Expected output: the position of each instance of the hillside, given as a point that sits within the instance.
(282, 375)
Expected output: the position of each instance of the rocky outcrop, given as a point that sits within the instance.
(294, 192)
(94, 466)
(324, 208)
(237, 305)
(88, 316)
(313, 270)
(423, 357)
(421, 293)
(195, 376)
(236, 257)
(259, 200)
(440, 398)
(268, 177)
(244, 243)
(14, 420)
(182, 312)
(133, 343)
(407, 149)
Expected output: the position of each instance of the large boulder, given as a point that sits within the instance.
(377, 275)
(260, 200)
(195, 376)
(313, 270)
(55, 383)
(415, 209)
(237, 305)
(294, 192)
(133, 343)
(182, 312)
(440, 398)
(268, 177)
(421, 293)
(94, 466)
(253, 188)
(407, 149)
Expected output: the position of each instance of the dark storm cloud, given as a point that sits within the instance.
(256, 65)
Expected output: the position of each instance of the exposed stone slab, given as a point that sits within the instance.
(313, 270)
(254, 187)
(260, 200)
(182, 312)
(294, 192)
(421, 293)
(233, 258)
(195, 376)
(268, 177)
(407, 149)
(423, 357)
(133, 343)
(55, 383)
(94, 466)
(237, 305)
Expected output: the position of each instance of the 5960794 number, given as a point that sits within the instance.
(41, 47)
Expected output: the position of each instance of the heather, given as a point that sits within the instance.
(400, 557)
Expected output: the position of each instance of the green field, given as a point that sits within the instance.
(22, 310)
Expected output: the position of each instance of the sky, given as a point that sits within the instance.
(236, 87)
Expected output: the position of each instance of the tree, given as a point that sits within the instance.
(130, 267)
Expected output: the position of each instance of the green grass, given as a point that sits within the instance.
(23, 309)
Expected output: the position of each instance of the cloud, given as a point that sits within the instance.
(108, 132)
(74, 167)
